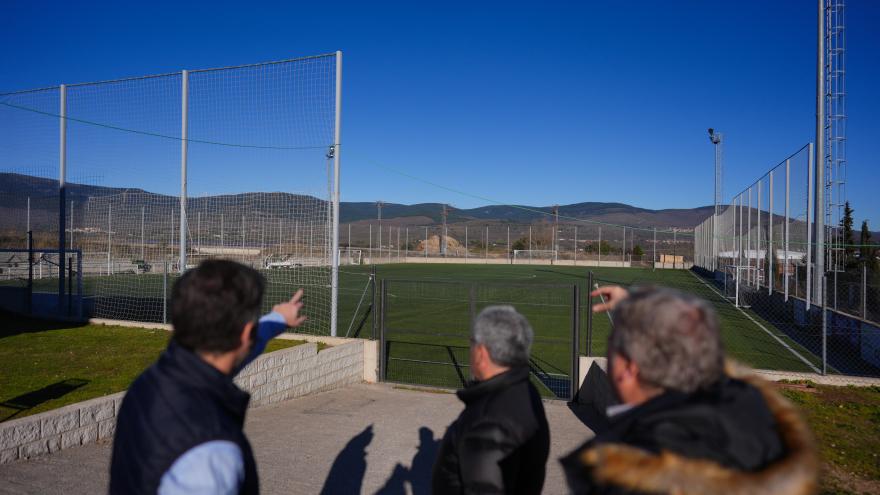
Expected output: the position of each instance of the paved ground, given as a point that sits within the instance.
(362, 439)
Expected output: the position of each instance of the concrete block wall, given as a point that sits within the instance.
(302, 370)
(273, 377)
(69, 426)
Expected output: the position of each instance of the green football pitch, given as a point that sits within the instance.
(428, 308)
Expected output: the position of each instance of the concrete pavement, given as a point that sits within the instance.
(360, 439)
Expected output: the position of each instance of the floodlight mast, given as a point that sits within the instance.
(717, 139)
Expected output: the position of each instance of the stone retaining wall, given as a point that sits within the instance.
(273, 377)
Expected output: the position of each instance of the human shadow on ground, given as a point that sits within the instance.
(33, 399)
(419, 472)
(347, 472)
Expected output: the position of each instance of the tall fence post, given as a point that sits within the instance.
(374, 309)
(864, 291)
(575, 245)
(599, 263)
(575, 341)
(184, 112)
(62, 193)
(30, 283)
(824, 327)
(770, 254)
(508, 245)
(337, 152)
(589, 313)
(426, 244)
(79, 283)
(69, 283)
(654, 255)
(383, 349)
(472, 303)
(164, 291)
(786, 227)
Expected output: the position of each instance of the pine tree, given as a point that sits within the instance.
(846, 224)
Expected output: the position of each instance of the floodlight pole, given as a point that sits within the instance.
(717, 139)
(184, 107)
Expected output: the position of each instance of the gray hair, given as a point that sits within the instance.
(506, 334)
(673, 337)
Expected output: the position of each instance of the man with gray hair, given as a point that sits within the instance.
(500, 442)
(686, 425)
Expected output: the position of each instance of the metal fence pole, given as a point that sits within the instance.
(530, 244)
(69, 283)
(426, 244)
(337, 152)
(786, 226)
(818, 222)
(770, 253)
(374, 309)
(486, 245)
(575, 340)
(654, 256)
(406, 249)
(575, 245)
(62, 193)
(184, 106)
(508, 244)
(465, 244)
(589, 310)
(370, 248)
(864, 291)
(383, 350)
(824, 326)
(599, 263)
(164, 291)
(109, 229)
(30, 283)
(79, 283)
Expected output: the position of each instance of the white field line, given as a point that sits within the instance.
(762, 327)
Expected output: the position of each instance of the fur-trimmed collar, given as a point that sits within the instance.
(796, 473)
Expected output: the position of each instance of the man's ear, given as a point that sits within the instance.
(247, 335)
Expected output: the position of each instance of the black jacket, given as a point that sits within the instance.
(739, 436)
(499, 443)
(176, 404)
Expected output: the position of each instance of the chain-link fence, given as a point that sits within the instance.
(760, 253)
(566, 244)
(425, 331)
(148, 176)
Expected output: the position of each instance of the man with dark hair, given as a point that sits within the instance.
(179, 429)
(500, 442)
(686, 423)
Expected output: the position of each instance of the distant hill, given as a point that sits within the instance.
(16, 188)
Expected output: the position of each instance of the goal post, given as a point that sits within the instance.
(350, 256)
(526, 256)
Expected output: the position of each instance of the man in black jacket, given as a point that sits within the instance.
(687, 425)
(179, 429)
(500, 442)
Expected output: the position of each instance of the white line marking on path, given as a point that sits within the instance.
(762, 327)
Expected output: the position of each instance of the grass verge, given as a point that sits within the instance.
(846, 422)
(46, 365)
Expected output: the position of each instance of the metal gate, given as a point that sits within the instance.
(425, 331)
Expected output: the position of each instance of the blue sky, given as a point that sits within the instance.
(528, 103)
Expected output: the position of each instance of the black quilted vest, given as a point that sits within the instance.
(176, 404)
